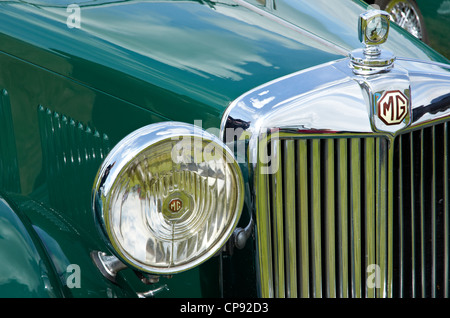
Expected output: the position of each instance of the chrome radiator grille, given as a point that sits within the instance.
(355, 216)
(421, 225)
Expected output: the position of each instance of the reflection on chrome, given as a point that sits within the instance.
(330, 98)
(341, 171)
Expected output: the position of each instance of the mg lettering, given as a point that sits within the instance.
(392, 107)
(175, 205)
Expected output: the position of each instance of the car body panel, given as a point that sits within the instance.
(57, 181)
(72, 94)
(436, 15)
(25, 270)
(186, 57)
(173, 72)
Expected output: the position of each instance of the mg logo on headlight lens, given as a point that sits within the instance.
(392, 107)
(175, 205)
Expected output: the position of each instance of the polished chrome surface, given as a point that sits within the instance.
(384, 210)
(373, 30)
(109, 265)
(363, 63)
(321, 98)
(330, 98)
(328, 230)
(421, 223)
(241, 235)
(327, 149)
(153, 292)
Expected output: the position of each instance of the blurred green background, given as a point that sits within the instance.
(436, 14)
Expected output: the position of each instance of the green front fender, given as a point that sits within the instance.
(24, 272)
(43, 255)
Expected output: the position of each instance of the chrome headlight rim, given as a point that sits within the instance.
(123, 154)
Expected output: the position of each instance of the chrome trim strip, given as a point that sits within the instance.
(400, 216)
(330, 262)
(303, 196)
(316, 240)
(355, 213)
(390, 216)
(370, 198)
(380, 215)
(290, 236)
(433, 214)
(413, 215)
(263, 226)
(343, 206)
(422, 216)
(278, 227)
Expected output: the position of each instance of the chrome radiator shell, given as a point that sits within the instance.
(342, 209)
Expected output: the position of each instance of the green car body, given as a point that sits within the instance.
(70, 94)
(436, 15)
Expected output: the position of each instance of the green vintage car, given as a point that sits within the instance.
(230, 148)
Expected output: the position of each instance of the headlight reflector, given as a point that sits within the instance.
(167, 197)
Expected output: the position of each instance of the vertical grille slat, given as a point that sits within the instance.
(390, 221)
(303, 223)
(370, 206)
(330, 248)
(380, 217)
(342, 213)
(290, 217)
(278, 227)
(422, 220)
(413, 168)
(433, 213)
(316, 237)
(356, 216)
(402, 277)
(264, 230)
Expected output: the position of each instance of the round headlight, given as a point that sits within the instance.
(168, 197)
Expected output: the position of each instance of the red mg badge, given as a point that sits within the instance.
(175, 205)
(392, 107)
